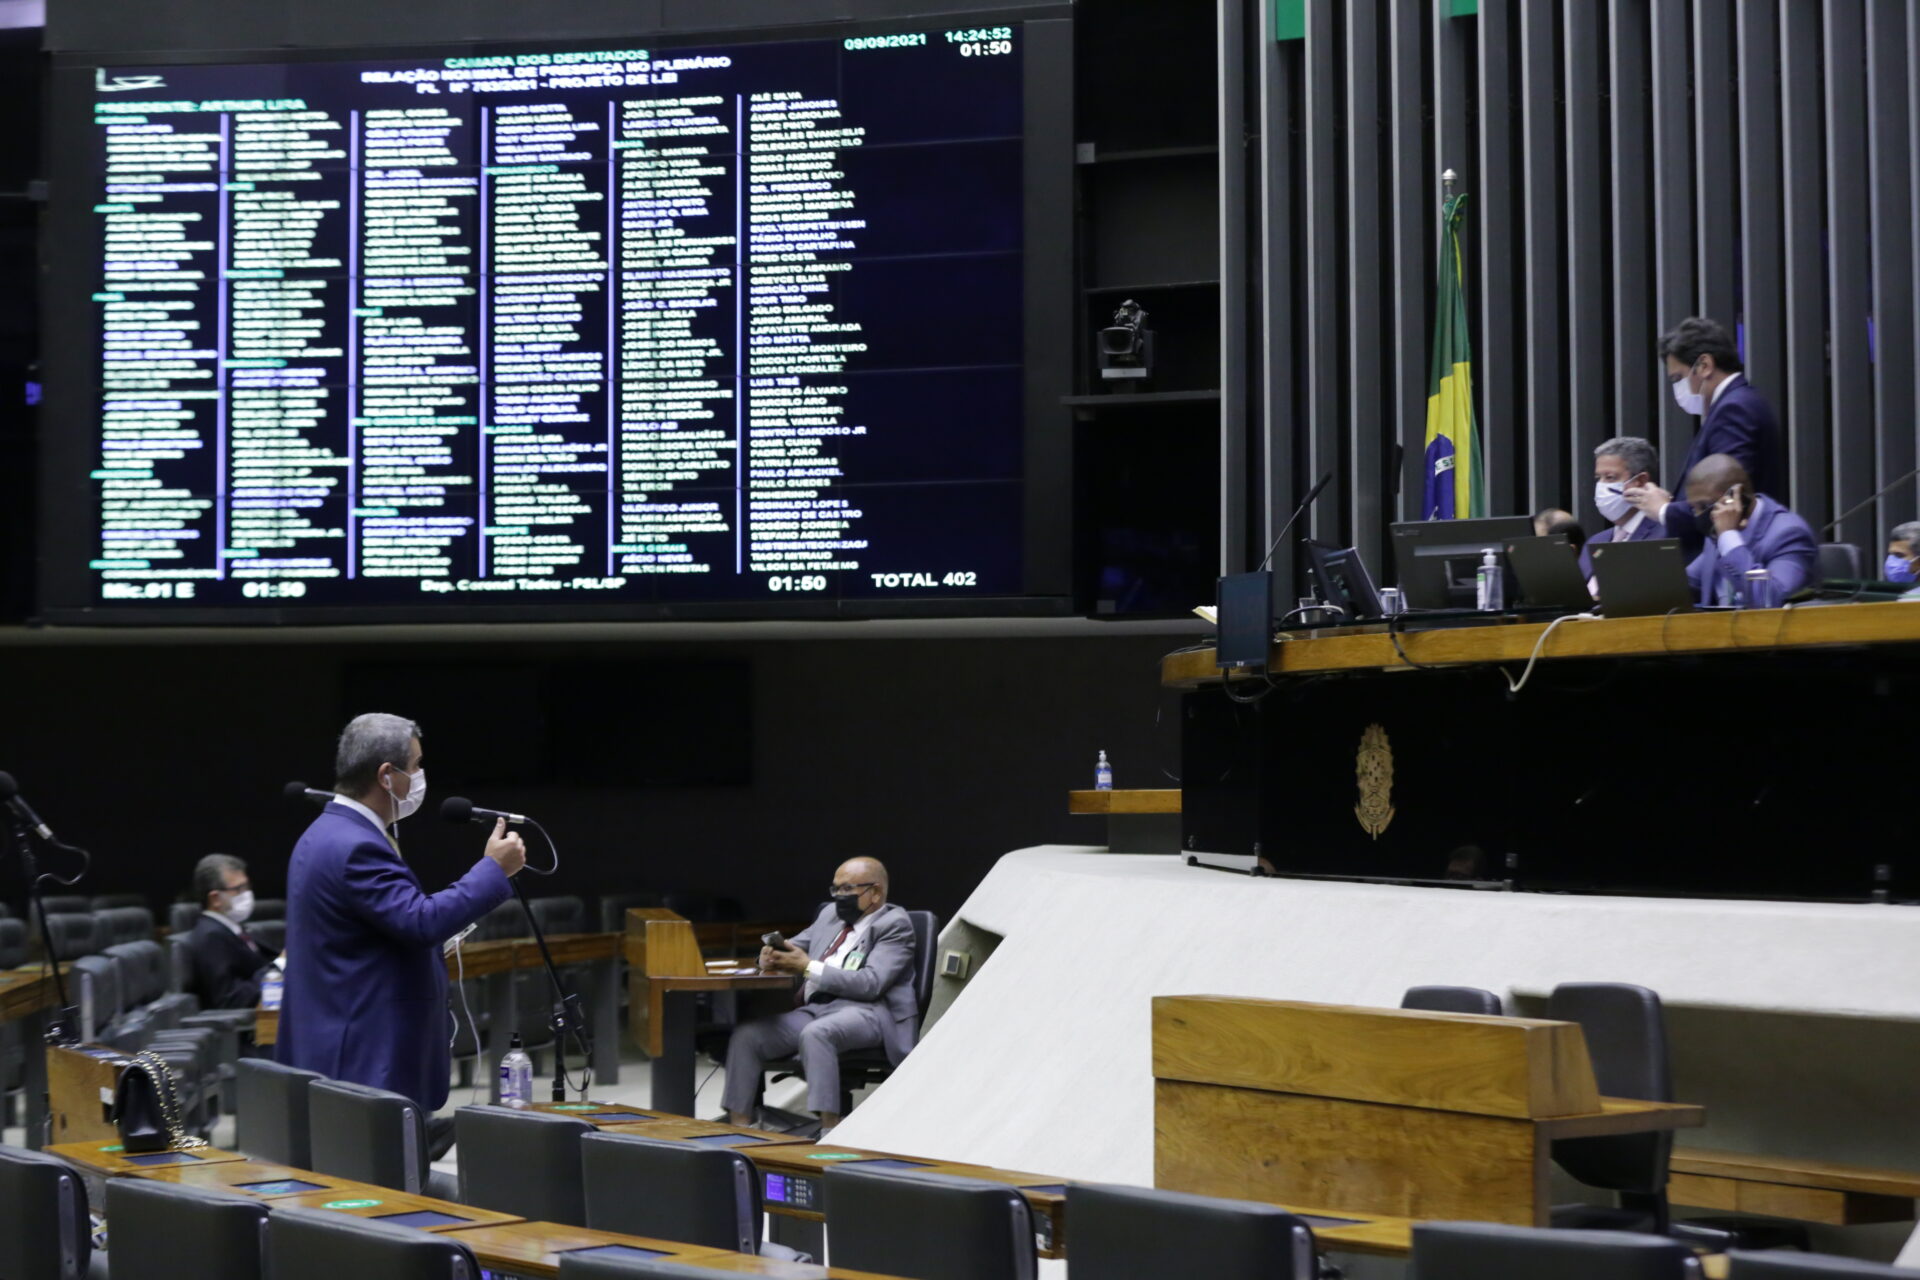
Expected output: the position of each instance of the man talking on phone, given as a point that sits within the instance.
(366, 988)
(1757, 552)
(857, 962)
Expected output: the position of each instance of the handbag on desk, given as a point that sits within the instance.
(146, 1107)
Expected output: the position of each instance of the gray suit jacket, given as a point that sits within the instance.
(884, 979)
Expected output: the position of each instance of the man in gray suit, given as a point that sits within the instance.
(857, 959)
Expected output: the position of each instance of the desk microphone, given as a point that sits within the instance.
(10, 793)
(301, 791)
(1298, 511)
(461, 809)
(1829, 528)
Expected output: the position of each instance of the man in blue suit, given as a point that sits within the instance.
(1756, 552)
(1709, 380)
(1620, 464)
(366, 988)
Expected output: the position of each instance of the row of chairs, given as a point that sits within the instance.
(920, 1225)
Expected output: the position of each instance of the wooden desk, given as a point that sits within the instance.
(363, 1201)
(1840, 1195)
(1380, 1111)
(534, 1248)
(260, 1179)
(615, 1118)
(26, 994)
(1137, 821)
(107, 1159)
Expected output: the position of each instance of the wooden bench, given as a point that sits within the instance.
(1841, 1195)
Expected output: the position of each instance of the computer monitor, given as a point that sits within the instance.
(1440, 559)
(1344, 581)
(1547, 570)
(1244, 615)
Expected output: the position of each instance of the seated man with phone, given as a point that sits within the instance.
(1758, 553)
(857, 960)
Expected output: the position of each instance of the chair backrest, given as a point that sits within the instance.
(1782, 1264)
(115, 925)
(929, 1225)
(1840, 560)
(108, 901)
(613, 909)
(93, 983)
(180, 917)
(1134, 1233)
(145, 971)
(179, 962)
(55, 904)
(926, 937)
(524, 1162)
(270, 1111)
(560, 914)
(1626, 1035)
(577, 1266)
(268, 909)
(72, 934)
(270, 934)
(670, 1190)
(366, 1134)
(163, 1231)
(505, 921)
(1452, 1000)
(43, 1218)
(314, 1244)
(13, 943)
(1490, 1251)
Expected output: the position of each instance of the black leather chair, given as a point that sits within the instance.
(44, 1232)
(270, 1111)
(1490, 1251)
(1452, 1000)
(928, 1225)
(1841, 560)
(180, 917)
(860, 1068)
(1626, 1036)
(532, 993)
(687, 1191)
(270, 934)
(1133, 1233)
(73, 934)
(267, 909)
(13, 1054)
(575, 1266)
(114, 925)
(614, 907)
(371, 1135)
(108, 901)
(523, 1162)
(163, 1231)
(1809, 1266)
(313, 1244)
(561, 913)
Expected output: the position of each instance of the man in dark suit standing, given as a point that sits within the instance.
(366, 987)
(1709, 380)
(227, 962)
(857, 962)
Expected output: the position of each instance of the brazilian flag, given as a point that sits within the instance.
(1456, 485)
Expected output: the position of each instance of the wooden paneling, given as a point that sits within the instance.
(1165, 800)
(1805, 1204)
(1447, 1062)
(1796, 1171)
(80, 1090)
(1369, 1157)
(1370, 648)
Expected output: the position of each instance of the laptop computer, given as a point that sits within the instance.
(1642, 579)
(1546, 571)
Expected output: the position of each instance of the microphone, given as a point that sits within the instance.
(461, 809)
(1875, 498)
(301, 791)
(10, 792)
(1298, 511)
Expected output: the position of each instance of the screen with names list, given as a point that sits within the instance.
(721, 323)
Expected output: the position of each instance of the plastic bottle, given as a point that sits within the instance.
(1102, 774)
(516, 1076)
(272, 987)
(1490, 585)
(1759, 588)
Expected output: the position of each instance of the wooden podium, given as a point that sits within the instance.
(1389, 1111)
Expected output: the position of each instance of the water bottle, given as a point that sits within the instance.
(1102, 774)
(272, 986)
(516, 1076)
(1490, 588)
(1759, 588)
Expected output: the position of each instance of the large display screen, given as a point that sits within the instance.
(628, 327)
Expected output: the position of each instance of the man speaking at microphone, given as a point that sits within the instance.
(366, 987)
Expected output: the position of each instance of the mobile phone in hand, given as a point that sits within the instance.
(773, 939)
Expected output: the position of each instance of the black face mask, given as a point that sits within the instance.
(847, 907)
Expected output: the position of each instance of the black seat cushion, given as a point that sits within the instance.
(1134, 1233)
(1491, 1251)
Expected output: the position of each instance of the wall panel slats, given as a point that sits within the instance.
(1763, 314)
(1639, 393)
(1890, 142)
(1412, 221)
(1718, 192)
(1367, 391)
(1588, 369)
(1675, 291)
(1849, 274)
(1278, 279)
(1545, 422)
(1803, 411)
(1496, 351)
(1324, 336)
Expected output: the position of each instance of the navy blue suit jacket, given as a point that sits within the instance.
(1741, 422)
(1646, 531)
(366, 988)
(1776, 539)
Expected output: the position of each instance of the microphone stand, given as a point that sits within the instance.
(60, 1027)
(568, 1017)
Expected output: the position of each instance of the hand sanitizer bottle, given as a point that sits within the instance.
(1102, 774)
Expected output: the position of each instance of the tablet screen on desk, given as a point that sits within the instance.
(421, 1218)
(615, 1117)
(727, 1139)
(279, 1187)
(1048, 1189)
(164, 1157)
(614, 1251)
(1318, 1221)
(890, 1164)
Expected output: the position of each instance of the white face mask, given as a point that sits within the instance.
(241, 907)
(1689, 400)
(409, 804)
(1611, 498)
